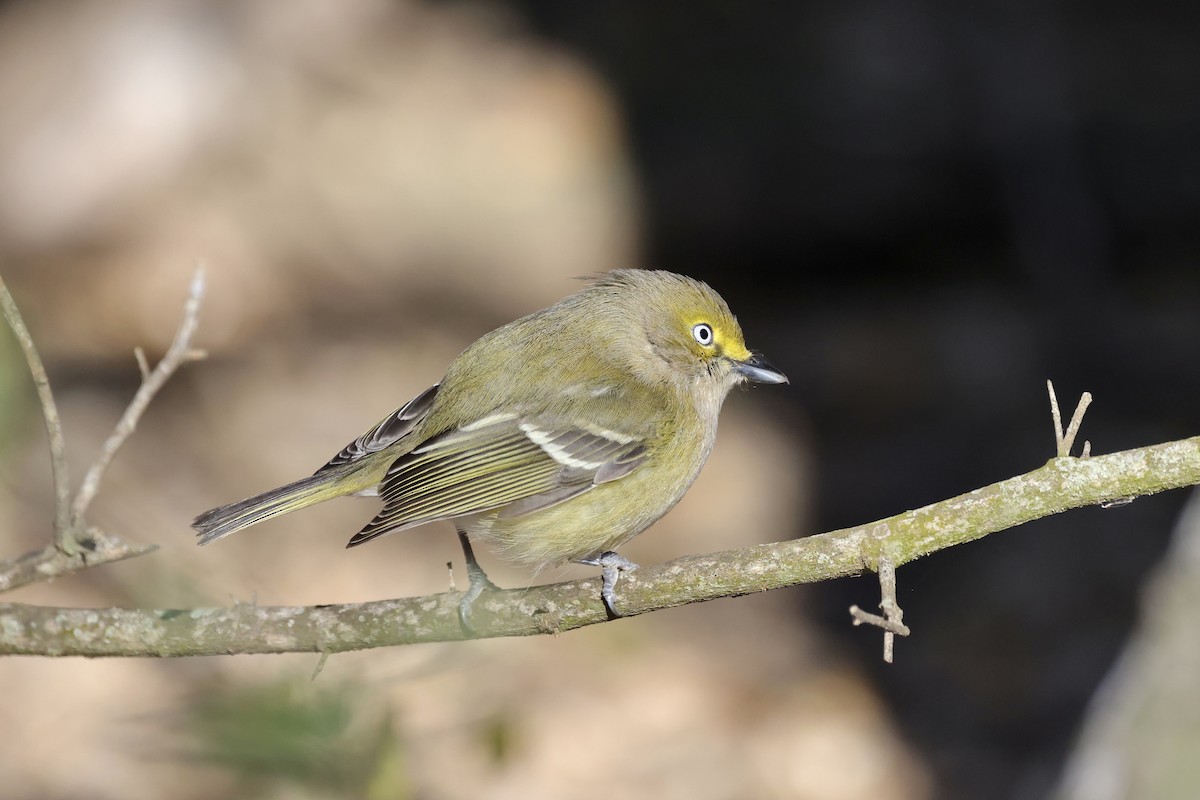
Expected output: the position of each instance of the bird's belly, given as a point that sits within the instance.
(602, 518)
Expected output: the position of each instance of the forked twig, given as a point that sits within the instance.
(1065, 440)
(892, 621)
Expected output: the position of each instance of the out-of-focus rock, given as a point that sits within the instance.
(1138, 740)
(380, 158)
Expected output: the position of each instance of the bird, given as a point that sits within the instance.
(555, 438)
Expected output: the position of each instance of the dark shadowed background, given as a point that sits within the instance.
(931, 208)
(919, 211)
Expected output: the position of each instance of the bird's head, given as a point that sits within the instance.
(685, 333)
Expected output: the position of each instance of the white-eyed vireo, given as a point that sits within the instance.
(557, 437)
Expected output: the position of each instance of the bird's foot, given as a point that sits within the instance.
(611, 566)
(477, 583)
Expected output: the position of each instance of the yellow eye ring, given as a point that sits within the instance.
(702, 332)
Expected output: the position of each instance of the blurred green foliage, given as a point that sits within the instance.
(499, 737)
(330, 742)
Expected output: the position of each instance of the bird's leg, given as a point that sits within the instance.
(477, 582)
(611, 566)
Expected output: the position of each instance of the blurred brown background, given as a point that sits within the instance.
(919, 212)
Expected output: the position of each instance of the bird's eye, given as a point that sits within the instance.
(702, 332)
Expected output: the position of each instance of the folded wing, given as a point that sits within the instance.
(516, 465)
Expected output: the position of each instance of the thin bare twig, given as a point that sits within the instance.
(1065, 440)
(180, 352)
(139, 355)
(1055, 418)
(861, 617)
(892, 621)
(64, 533)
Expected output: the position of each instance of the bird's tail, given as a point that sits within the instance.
(224, 520)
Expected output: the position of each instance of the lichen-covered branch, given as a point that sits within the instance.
(1060, 485)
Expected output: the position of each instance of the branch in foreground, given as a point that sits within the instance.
(1062, 484)
(892, 620)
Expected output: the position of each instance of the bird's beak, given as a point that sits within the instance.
(759, 370)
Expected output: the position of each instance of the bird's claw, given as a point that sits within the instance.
(611, 566)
